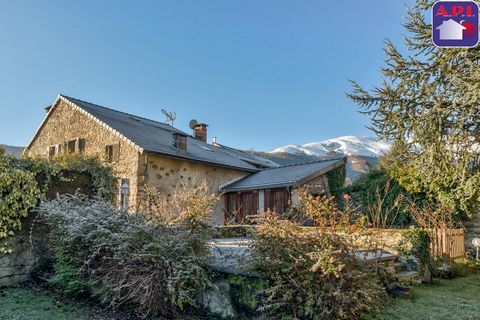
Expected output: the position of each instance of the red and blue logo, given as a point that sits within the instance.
(455, 24)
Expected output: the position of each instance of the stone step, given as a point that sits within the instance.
(407, 276)
(379, 256)
(400, 267)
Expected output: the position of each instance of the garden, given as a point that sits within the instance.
(305, 264)
(329, 257)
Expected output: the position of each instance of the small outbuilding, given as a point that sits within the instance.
(274, 188)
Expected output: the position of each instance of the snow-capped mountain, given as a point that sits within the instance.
(346, 145)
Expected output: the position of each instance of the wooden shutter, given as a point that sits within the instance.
(267, 204)
(81, 145)
(255, 203)
(116, 152)
(51, 152)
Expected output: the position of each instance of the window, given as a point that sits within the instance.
(180, 141)
(112, 152)
(71, 146)
(54, 151)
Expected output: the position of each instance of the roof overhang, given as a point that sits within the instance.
(200, 161)
(259, 187)
(294, 184)
(336, 164)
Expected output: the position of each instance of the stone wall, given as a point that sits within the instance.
(387, 239)
(165, 174)
(67, 123)
(29, 253)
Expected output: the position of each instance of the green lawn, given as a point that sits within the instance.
(457, 299)
(30, 304)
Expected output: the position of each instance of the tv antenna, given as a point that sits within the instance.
(169, 116)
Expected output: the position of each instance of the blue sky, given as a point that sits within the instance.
(261, 73)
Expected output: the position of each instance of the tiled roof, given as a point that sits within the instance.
(284, 176)
(156, 137)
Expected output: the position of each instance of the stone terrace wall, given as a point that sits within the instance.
(29, 253)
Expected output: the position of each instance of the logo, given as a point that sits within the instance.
(455, 24)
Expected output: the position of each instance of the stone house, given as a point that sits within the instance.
(145, 152)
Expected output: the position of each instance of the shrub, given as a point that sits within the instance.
(25, 182)
(124, 259)
(379, 196)
(313, 271)
(416, 244)
(460, 268)
(50, 173)
(336, 178)
(246, 293)
(19, 193)
(190, 204)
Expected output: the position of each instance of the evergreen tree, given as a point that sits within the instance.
(428, 104)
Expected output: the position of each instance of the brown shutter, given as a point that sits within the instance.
(286, 197)
(81, 145)
(267, 199)
(116, 152)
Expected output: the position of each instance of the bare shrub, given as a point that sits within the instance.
(382, 214)
(190, 204)
(314, 272)
(153, 267)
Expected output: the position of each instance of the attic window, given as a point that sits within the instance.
(70, 147)
(206, 149)
(180, 141)
(112, 152)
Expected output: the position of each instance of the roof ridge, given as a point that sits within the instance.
(108, 108)
(304, 163)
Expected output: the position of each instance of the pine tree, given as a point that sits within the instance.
(428, 104)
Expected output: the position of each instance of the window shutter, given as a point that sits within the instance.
(116, 152)
(267, 204)
(52, 151)
(81, 145)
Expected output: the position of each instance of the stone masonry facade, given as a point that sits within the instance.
(165, 174)
(67, 123)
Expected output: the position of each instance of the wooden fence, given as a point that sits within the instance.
(449, 242)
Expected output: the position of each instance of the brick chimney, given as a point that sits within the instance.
(200, 132)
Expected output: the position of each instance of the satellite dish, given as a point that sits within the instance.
(193, 123)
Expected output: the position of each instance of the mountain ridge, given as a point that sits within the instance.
(343, 145)
(362, 153)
